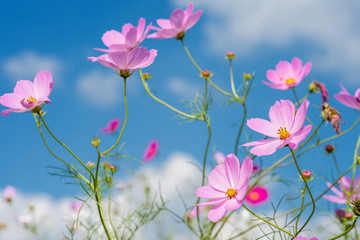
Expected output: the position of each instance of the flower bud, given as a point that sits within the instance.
(329, 148)
(205, 74)
(146, 76)
(90, 165)
(230, 55)
(312, 87)
(340, 213)
(348, 215)
(247, 76)
(125, 73)
(307, 175)
(112, 168)
(95, 141)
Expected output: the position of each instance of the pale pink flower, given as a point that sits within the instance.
(228, 185)
(257, 196)
(76, 205)
(347, 99)
(304, 238)
(285, 128)
(111, 127)
(151, 150)
(129, 37)
(219, 157)
(344, 184)
(287, 75)
(9, 193)
(180, 21)
(28, 95)
(137, 58)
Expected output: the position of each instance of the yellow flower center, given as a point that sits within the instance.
(31, 100)
(290, 81)
(231, 192)
(283, 133)
(254, 196)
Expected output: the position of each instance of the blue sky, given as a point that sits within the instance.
(59, 37)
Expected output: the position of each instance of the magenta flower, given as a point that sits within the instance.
(129, 37)
(137, 58)
(287, 75)
(257, 196)
(28, 95)
(9, 193)
(228, 185)
(344, 184)
(111, 127)
(151, 150)
(180, 21)
(347, 99)
(304, 238)
(285, 128)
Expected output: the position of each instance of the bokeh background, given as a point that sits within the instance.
(60, 35)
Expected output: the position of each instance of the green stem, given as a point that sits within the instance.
(347, 230)
(205, 97)
(301, 209)
(124, 124)
(191, 58)
(240, 130)
(307, 187)
(232, 80)
(336, 163)
(109, 213)
(355, 161)
(162, 102)
(62, 144)
(63, 161)
(98, 201)
(266, 222)
(224, 92)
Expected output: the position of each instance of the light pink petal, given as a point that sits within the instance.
(335, 199)
(42, 84)
(305, 70)
(112, 37)
(300, 135)
(268, 148)
(276, 86)
(141, 26)
(177, 19)
(137, 56)
(245, 173)
(190, 22)
(273, 77)
(282, 114)
(263, 126)
(232, 204)
(345, 182)
(217, 212)
(300, 116)
(149, 60)
(218, 179)
(11, 100)
(209, 192)
(284, 70)
(126, 28)
(296, 65)
(189, 10)
(219, 157)
(357, 93)
(8, 111)
(347, 100)
(119, 59)
(336, 191)
(232, 168)
(241, 192)
(131, 37)
(164, 23)
(24, 88)
(213, 202)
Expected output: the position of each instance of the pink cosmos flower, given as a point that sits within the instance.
(129, 37)
(287, 75)
(28, 95)
(111, 127)
(180, 21)
(304, 238)
(285, 128)
(9, 193)
(76, 205)
(347, 99)
(228, 185)
(137, 58)
(344, 184)
(257, 196)
(151, 150)
(219, 157)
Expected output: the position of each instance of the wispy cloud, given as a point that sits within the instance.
(182, 87)
(326, 31)
(28, 63)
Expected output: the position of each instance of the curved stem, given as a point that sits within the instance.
(98, 201)
(307, 187)
(240, 130)
(336, 163)
(347, 230)
(301, 208)
(63, 161)
(205, 97)
(162, 102)
(355, 161)
(189, 55)
(223, 91)
(124, 124)
(109, 213)
(62, 144)
(262, 219)
(232, 80)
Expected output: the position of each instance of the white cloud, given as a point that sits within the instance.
(328, 29)
(28, 63)
(183, 88)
